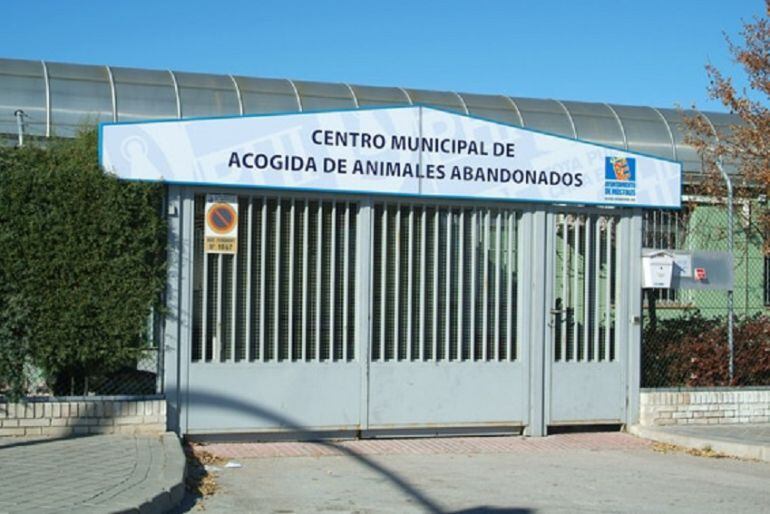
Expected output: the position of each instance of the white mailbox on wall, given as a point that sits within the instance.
(657, 269)
(679, 269)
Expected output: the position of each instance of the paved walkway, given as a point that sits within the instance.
(744, 441)
(99, 473)
(429, 446)
(609, 472)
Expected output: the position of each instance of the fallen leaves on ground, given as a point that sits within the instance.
(201, 481)
(706, 451)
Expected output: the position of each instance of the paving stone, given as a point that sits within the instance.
(90, 473)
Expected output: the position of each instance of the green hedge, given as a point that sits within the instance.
(82, 263)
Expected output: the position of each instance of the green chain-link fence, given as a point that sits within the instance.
(684, 338)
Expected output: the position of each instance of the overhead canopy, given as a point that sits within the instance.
(412, 150)
(58, 98)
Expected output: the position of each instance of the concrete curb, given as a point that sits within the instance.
(164, 488)
(732, 448)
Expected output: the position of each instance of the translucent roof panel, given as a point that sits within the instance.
(368, 96)
(318, 96)
(206, 95)
(685, 153)
(264, 96)
(22, 87)
(144, 94)
(646, 132)
(497, 108)
(440, 99)
(80, 95)
(545, 115)
(596, 123)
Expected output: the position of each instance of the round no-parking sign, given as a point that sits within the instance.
(221, 232)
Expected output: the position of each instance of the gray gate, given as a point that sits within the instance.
(444, 334)
(354, 313)
(590, 287)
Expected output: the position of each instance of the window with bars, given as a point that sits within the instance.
(585, 287)
(289, 292)
(444, 283)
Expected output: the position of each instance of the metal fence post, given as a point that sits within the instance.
(730, 343)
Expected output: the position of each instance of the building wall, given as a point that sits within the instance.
(83, 415)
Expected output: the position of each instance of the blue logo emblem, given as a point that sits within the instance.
(620, 179)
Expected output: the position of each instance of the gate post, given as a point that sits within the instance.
(178, 303)
(535, 312)
(634, 298)
(364, 229)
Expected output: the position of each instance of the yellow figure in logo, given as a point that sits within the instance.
(620, 166)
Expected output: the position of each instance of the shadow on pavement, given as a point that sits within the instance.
(199, 398)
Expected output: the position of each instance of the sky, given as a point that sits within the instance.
(628, 52)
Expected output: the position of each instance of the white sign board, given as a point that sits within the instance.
(221, 229)
(418, 151)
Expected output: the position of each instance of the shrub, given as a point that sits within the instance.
(81, 264)
(693, 351)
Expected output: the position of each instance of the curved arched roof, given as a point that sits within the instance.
(58, 98)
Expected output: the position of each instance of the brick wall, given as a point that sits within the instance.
(83, 415)
(708, 406)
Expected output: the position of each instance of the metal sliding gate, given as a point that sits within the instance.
(274, 327)
(444, 345)
(353, 313)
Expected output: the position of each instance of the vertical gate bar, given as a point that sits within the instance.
(305, 222)
(409, 285)
(332, 280)
(435, 285)
(277, 281)
(447, 285)
(472, 300)
(597, 313)
(676, 230)
(204, 308)
(509, 305)
(233, 304)
(575, 287)
(607, 288)
(423, 230)
(249, 238)
(498, 269)
(383, 280)
(460, 282)
(587, 278)
(485, 287)
(318, 279)
(565, 303)
(218, 340)
(345, 270)
(262, 242)
(291, 282)
(397, 284)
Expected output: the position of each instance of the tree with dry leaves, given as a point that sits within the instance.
(746, 143)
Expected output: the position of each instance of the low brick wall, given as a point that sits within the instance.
(704, 406)
(56, 417)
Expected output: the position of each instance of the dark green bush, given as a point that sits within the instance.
(81, 265)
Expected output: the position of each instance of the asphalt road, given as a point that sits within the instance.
(558, 476)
